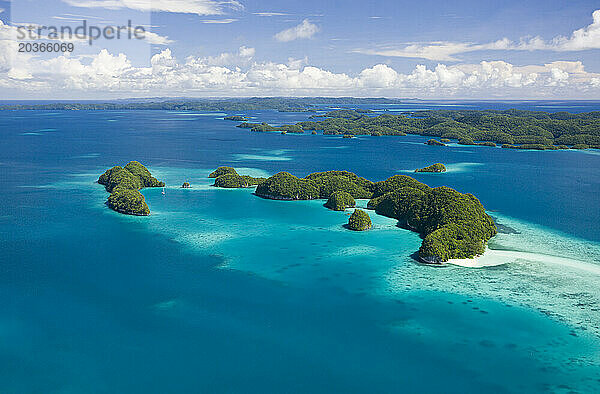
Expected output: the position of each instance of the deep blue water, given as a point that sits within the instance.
(219, 291)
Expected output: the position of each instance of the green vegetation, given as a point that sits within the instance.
(236, 118)
(124, 183)
(128, 201)
(264, 127)
(454, 225)
(581, 146)
(359, 220)
(222, 171)
(470, 127)
(285, 186)
(339, 201)
(233, 181)
(435, 142)
(437, 167)
(329, 182)
(235, 105)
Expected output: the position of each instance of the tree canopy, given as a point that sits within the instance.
(454, 225)
(124, 183)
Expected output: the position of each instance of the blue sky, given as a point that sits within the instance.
(437, 49)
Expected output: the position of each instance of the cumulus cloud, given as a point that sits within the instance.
(303, 30)
(242, 57)
(582, 39)
(200, 7)
(236, 74)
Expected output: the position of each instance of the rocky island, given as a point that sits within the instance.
(227, 177)
(359, 220)
(434, 142)
(124, 183)
(236, 118)
(437, 167)
(453, 225)
(340, 200)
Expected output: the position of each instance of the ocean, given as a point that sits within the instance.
(221, 291)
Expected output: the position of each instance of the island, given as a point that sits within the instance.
(434, 142)
(227, 177)
(359, 221)
(518, 129)
(185, 185)
(236, 118)
(437, 167)
(340, 200)
(124, 183)
(264, 127)
(222, 171)
(453, 225)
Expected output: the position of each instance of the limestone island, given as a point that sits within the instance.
(453, 225)
(437, 167)
(359, 220)
(185, 185)
(339, 201)
(227, 177)
(236, 118)
(124, 183)
(434, 142)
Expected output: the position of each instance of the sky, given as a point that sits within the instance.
(205, 48)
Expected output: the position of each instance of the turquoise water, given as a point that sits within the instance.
(221, 291)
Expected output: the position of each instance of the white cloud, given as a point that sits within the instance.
(582, 39)
(270, 14)
(303, 30)
(156, 39)
(237, 74)
(2, 10)
(200, 7)
(243, 56)
(152, 38)
(220, 21)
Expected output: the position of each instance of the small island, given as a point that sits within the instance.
(227, 177)
(185, 185)
(434, 142)
(340, 200)
(437, 167)
(124, 183)
(453, 225)
(359, 221)
(236, 118)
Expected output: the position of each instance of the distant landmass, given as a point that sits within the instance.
(512, 128)
(282, 104)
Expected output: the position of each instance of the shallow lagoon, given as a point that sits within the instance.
(219, 290)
